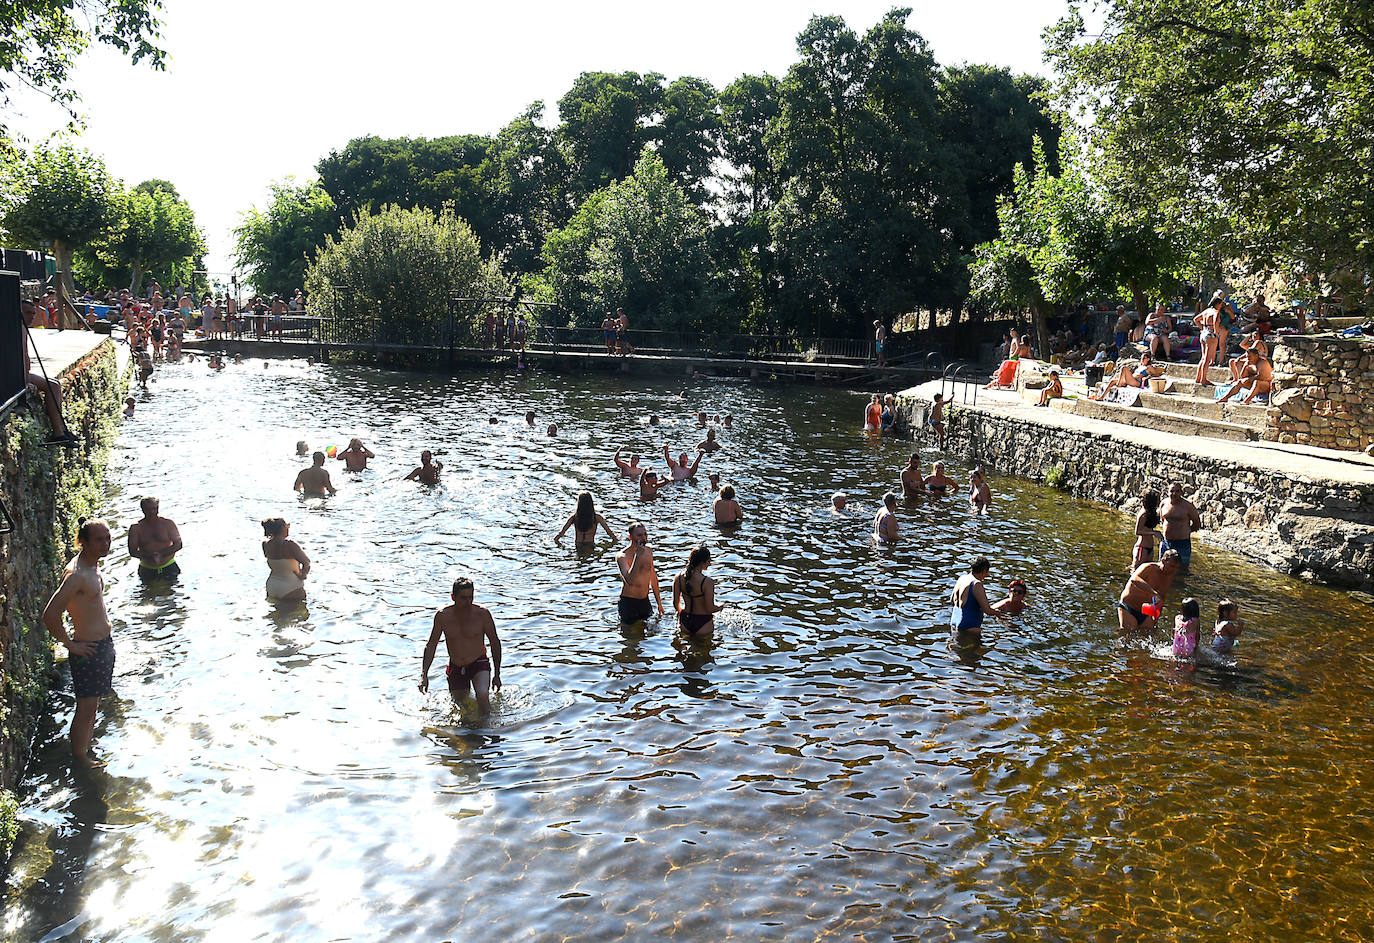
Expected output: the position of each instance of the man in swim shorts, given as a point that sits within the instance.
(1148, 585)
(314, 481)
(81, 595)
(628, 469)
(879, 335)
(636, 565)
(427, 473)
(154, 542)
(1180, 521)
(464, 628)
(355, 456)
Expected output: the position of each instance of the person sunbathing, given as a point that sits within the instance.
(1256, 377)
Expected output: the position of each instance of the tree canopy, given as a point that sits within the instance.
(274, 245)
(153, 230)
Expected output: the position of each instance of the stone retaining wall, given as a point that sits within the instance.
(45, 489)
(1325, 392)
(1317, 529)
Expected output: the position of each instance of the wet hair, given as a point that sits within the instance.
(426, 452)
(890, 499)
(84, 528)
(979, 565)
(699, 557)
(317, 458)
(636, 525)
(463, 583)
(728, 492)
(1190, 609)
(150, 500)
(1149, 501)
(301, 446)
(1018, 583)
(1226, 607)
(585, 519)
(837, 497)
(916, 457)
(1168, 555)
(273, 526)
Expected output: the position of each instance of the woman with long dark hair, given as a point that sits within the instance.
(694, 595)
(584, 521)
(288, 562)
(1146, 533)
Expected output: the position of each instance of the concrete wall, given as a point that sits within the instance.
(1325, 392)
(1319, 529)
(45, 489)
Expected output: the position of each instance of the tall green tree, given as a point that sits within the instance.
(687, 135)
(41, 39)
(1253, 115)
(749, 189)
(639, 244)
(151, 228)
(62, 197)
(604, 123)
(390, 274)
(274, 245)
(529, 178)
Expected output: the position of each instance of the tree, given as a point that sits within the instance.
(63, 197)
(529, 179)
(687, 136)
(604, 124)
(275, 245)
(151, 228)
(639, 244)
(42, 38)
(742, 245)
(389, 276)
(1251, 115)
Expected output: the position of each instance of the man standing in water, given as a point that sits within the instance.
(628, 469)
(81, 594)
(465, 627)
(1180, 521)
(1148, 586)
(154, 542)
(428, 471)
(314, 481)
(636, 564)
(678, 470)
(355, 456)
(912, 482)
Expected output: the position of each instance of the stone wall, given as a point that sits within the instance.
(1317, 529)
(1325, 392)
(45, 490)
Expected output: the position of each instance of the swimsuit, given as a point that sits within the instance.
(168, 571)
(93, 674)
(1222, 644)
(969, 616)
(1136, 614)
(634, 610)
(692, 622)
(459, 675)
(1185, 637)
(285, 578)
(1184, 548)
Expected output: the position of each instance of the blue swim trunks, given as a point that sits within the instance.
(1184, 548)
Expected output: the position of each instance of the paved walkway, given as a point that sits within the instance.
(60, 349)
(1291, 461)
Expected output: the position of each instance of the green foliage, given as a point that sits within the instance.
(151, 229)
(42, 38)
(1252, 118)
(390, 274)
(638, 244)
(529, 178)
(274, 245)
(1057, 477)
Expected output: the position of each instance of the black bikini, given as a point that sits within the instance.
(692, 622)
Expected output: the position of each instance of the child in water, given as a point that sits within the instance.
(1228, 628)
(1185, 629)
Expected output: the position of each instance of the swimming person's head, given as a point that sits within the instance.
(462, 586)
(1189, 609)
(890, 500)
(301, 447)
(426, 457)
(711, 435)
(274, 526)
(728, 492)
(915, 461)
(1018, 587)
(1227, 609)
(980, 567)
(838, 499)
(529, 417)
(653, 419)
(553, 428)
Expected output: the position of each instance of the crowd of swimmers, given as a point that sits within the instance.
(468, 629)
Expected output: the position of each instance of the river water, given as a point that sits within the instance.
(829, 767)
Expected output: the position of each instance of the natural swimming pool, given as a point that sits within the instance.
(827, 768)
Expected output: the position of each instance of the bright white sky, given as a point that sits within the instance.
(256, 90)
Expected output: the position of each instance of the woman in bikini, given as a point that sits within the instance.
(1207, 324)
(694, 596)
(1146, 532)
(288, 562)
(939, 483)
(584, 520)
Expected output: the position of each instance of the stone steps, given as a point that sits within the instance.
(1187, 403)
(1146, 418)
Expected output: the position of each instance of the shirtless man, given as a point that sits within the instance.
(912, 483)
(465, 627)
(678, 470)
(709, 444)
(628, 469)
(885, 523)
(314, 481)
(1180, 521)
(1256, 375)
(636, 565)
(428, 471)
(356, 455)
(1148, 584)
(81, 594)
(650, 485)
(154, 542)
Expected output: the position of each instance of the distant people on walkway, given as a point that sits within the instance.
(1181, 521)
(355, 456)
(314, 481)
(637, 574)
(694, 595)
(879, 337)
(427, 472)
(154, 542)
(286, 560)
(465, 628)
(51, 390)
(585, 520)
(81, 596)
